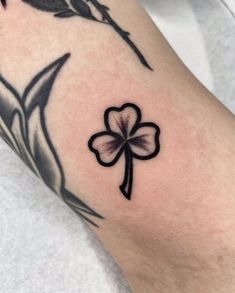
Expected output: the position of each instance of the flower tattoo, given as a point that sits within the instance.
(23, 127)
(126, 135)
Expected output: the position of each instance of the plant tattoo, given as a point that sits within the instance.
(4, 3)
(89, 9)
(23, 127)
(125, 134)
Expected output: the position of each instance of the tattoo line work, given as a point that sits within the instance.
(83, 8)
(4, 3)
(125, 134)
(23, 127)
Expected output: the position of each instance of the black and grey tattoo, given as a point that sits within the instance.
(125, 134)
(23, 127)
(85, 8)
(4, 3)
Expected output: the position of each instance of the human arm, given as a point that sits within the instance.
(196, 137)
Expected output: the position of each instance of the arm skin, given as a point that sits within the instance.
(176, 234)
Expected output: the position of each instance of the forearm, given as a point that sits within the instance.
(177, 191)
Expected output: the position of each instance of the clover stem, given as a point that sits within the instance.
(126, 186)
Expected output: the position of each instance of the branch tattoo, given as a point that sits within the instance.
(85, 8)
(125, 134)
(23, 127)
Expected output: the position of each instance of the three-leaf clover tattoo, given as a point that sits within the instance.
(125, 134)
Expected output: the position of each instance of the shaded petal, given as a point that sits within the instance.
(8, 136)
(107, 147)
(9, 102)
(145, 142)
(12, 122)
(43, 153)
(23, 151)
(122, 120)
(38, 91)
(35, 99)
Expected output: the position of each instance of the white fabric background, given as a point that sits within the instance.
(44, 247)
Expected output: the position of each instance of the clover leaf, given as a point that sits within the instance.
(125, 134)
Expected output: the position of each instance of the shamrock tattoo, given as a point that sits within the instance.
(126, 135)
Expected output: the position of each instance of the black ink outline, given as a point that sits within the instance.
(81, 8)
(154, 154)
(116, 109)
(125, 147)
(43, 82)
(95, 136)
(126, 186)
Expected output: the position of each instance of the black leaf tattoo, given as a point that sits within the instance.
(23, 127)
(48, 5)
(4, 3)
(83, 8)
(125, 134)
(65, 13)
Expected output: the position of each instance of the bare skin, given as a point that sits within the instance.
(177, 233)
